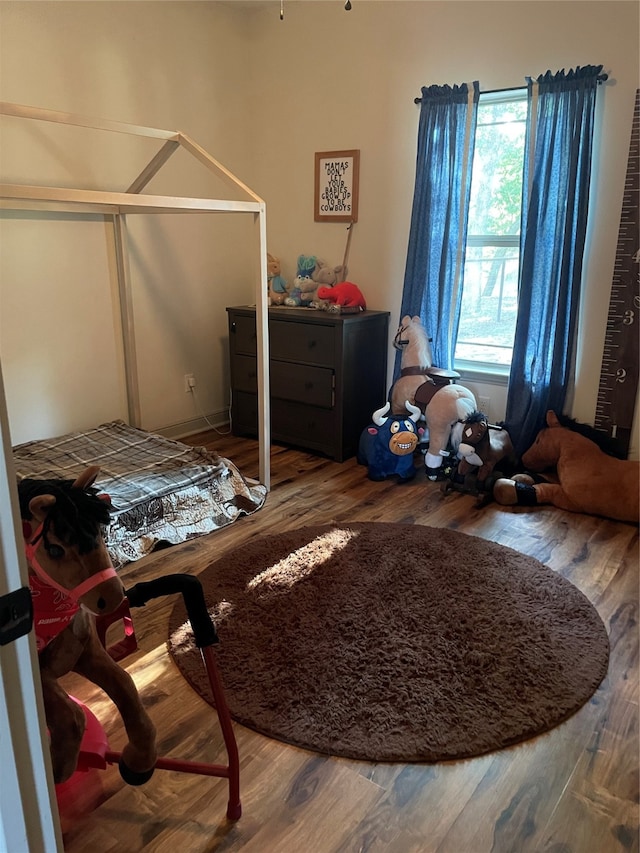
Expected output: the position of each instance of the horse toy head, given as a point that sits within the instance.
(72, 580)
(62, 524)
(411, 334)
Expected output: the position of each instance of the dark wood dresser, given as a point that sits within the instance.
(327, 373)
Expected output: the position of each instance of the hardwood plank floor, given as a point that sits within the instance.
(572, 790)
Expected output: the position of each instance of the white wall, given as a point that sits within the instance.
(263, 95)
(178, 66)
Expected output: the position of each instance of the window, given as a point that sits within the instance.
(490, 280)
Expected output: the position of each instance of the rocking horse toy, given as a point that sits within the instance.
(485, 453)
(442, 401)
(589, 480)
(76, 595)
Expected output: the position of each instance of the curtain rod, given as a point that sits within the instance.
(600, 78)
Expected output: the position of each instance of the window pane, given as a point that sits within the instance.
(496, 183)
(490, 284)
(489, 304)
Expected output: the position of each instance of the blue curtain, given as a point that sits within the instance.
(437, 237)
(554, 221)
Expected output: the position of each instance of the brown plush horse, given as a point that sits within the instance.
(72, 580)
(589, 480)
(481, 447)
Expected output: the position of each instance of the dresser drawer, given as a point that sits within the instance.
(313, 386)
(293, 423)
(299, 342)
(245, 374)
(302, 342)
(302, 383)
(244, 334)
(304, 425)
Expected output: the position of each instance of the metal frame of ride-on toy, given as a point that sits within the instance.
(95, 752)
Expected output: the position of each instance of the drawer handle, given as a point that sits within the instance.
(312, 344)
(308, 386)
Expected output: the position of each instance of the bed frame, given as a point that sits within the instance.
(115, 206)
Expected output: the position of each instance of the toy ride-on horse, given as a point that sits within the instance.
(76, 596)
(589, 480)
(442, 401)
(72, 581)
(484, 453)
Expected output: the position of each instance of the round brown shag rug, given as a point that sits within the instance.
(391, 642)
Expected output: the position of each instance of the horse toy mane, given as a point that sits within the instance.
(608, 444)
(77, 514)
(72, 581)
(587, 479)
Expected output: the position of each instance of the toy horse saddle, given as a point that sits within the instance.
(436, 379)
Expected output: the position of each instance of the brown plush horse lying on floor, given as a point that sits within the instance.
(588, 480)
(72, 580)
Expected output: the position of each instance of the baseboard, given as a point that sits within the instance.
(219, 420)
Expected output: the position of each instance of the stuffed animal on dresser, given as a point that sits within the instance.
(277, 286)
(344, 298)
(304, 289)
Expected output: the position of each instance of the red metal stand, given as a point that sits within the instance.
(95, 753)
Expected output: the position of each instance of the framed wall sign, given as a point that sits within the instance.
(336, 186)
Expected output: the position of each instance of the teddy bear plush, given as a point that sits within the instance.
(326, 276)
(277, 286)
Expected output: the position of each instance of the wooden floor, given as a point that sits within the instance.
(573, 790)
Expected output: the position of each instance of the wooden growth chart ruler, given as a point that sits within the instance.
(619, 372)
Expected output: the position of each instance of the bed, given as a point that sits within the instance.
(163, 491)
(116, 206)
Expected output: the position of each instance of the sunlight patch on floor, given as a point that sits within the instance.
(303, 561)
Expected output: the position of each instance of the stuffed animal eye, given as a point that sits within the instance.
(395, 426)
(56, 552)
(408, 426)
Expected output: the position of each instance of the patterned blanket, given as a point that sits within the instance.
(162, 491)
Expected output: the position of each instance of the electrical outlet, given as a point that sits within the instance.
(484, 404)
(189, 382)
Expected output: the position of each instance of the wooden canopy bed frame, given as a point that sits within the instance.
(116, 206)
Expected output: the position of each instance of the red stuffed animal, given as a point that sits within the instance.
(344, 297)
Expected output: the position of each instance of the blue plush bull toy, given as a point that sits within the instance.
(387, 445)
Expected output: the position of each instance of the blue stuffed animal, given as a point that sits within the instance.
(388, 444)
(304, 288)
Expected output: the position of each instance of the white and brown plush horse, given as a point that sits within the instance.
(442, 401)
(72, 581)
(588, 480)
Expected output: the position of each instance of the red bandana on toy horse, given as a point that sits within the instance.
(54, 606)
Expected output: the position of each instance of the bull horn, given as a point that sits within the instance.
(379, 415)
(415, 411)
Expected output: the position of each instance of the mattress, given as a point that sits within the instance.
(162, 491)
